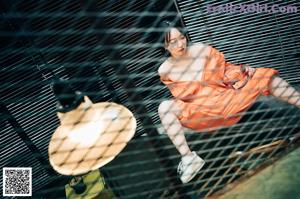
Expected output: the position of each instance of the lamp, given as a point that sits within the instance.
(68, 99)
(90, 135)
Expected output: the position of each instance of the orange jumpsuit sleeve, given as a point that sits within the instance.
(180, 90)
(231, 74)
(215, 66)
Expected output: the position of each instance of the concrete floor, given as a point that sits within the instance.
(278, 181)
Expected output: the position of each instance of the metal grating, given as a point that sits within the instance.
(244, 37)
(110, 51)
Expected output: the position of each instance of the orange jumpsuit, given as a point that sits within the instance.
(213, 100)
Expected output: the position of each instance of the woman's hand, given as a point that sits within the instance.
(248, 70)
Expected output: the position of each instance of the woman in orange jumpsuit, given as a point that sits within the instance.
(209, 92)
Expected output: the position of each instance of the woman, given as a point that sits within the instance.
(209, 92)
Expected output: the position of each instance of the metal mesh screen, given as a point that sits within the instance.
(110, 51)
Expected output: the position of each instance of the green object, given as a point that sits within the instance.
(94, 185)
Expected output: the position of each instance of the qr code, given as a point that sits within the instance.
(17, 181)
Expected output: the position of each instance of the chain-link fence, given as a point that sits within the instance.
(81, 96)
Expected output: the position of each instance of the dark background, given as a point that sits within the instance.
(110, 50)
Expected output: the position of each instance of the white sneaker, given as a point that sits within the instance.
(189, 167)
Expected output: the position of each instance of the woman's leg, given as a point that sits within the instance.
(168, 111)
(282, 90)
(190, 162)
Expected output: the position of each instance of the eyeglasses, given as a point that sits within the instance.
(174, 42)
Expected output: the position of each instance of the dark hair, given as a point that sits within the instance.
(167, 26)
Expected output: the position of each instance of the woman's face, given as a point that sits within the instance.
(177, 43)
